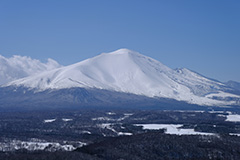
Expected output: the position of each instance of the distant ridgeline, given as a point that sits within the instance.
(122, 78)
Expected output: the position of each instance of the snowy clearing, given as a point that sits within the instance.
(173, 129)
(233, 118)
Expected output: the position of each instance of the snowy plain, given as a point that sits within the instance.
(173, 129)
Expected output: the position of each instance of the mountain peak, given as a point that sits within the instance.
(124, 51)
(128, 71)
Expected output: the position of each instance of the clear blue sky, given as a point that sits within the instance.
(202, 35)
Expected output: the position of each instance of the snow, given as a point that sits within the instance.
(124, 134)
(86, 132)
(196, 111)
(221, 115)
(222, 95)
(216, 111)
(17, 67)
(130, 72)
(109, 127)
(66, 119)
(102, 119)
(233, 118)
(234, 134)
(173, 129)
(126, 115)
(49, 120)
(37, 145)
(111, 113)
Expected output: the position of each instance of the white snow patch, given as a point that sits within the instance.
(233, 118)
(228, 112)
(221, 115)
(37, 145)
(128, 114)
(173, 129)
(216, 111)
(109, 126)
(66, 119)
(102, 119)
(196, 111)
(86, 132)
(222, 95)
(49, 120)
(111, 113)
(124, 134)
(234, 134)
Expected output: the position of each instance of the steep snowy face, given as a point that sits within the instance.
(18, 67)
(197, 83)
(130, 72)
(122, 70)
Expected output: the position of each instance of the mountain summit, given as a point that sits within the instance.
(126, 71)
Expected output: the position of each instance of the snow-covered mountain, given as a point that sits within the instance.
(126, 71)
(17, 67)
(233, 84)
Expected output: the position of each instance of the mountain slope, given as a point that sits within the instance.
(127, 71)
(18, 67)
(233, 84)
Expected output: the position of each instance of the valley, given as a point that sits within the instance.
(73, 131)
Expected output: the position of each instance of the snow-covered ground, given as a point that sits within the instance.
(86, 132)
(66, 119)
(52, 120)
(103, 119)
(126, 115)
(234, 134)
(38, 145)
(111, 113)
(124, 134)
(49, 120)
(109, 126)
(233, 118)
(173, 129)
(216, 111)
(222, 95)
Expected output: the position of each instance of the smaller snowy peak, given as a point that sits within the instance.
(233, 84)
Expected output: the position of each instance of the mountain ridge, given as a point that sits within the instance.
(128, 71)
